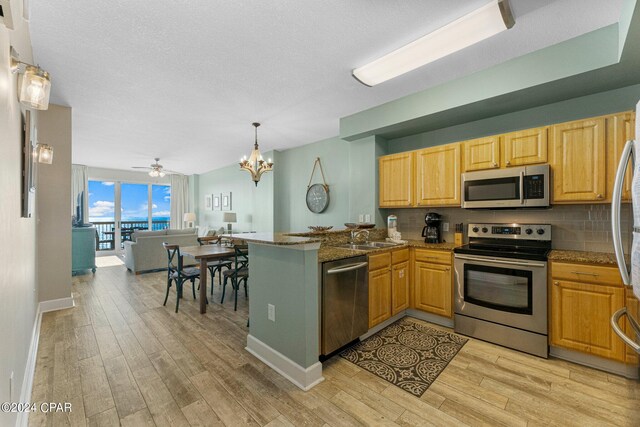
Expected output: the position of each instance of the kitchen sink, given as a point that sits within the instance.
(383, 244)
(368, 246)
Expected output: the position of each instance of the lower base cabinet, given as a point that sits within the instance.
(400, 275)
(433, 282)
(583, 298)
(379, 296)
(398, 281)
(388, 285)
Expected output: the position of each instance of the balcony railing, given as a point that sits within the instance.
(106, 231)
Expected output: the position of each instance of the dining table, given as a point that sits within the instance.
(204, 254)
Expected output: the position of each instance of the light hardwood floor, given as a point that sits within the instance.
(120, 357)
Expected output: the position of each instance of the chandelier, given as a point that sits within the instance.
(255, 164)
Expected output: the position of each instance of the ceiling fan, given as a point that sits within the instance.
(156, 169)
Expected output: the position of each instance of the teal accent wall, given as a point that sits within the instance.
(363, 168)
(295, 295)
(292, 173)
(573, 109)
(626, 17)
(243, 194)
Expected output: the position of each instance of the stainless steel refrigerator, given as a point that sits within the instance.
(629, 268)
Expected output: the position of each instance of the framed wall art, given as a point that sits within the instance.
(226, 201)
(28, 164)
(207, 202)
(216, 202)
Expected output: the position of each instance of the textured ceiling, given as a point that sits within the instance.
(183, 80)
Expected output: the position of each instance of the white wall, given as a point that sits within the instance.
(18, 285)
(54, 198)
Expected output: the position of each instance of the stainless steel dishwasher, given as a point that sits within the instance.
(345, 302)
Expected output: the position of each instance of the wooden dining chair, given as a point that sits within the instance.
(218, 264)
(239, 273)
(178, 274)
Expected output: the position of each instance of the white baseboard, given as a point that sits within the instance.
(304, 378)
(56, 304)
(30, 368)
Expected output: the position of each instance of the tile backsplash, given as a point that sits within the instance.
(573, 227)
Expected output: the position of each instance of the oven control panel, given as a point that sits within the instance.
(511, 231)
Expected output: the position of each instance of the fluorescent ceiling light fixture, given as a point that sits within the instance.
(472, 28)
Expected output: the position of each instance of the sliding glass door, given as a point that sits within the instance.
(119, 208)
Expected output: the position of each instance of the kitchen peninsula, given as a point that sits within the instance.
(284, 307)
(285, 303)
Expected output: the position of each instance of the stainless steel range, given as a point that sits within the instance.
(501, 285)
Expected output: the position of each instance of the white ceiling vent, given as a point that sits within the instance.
(5, 14)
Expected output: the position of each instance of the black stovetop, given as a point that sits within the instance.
(520, 250)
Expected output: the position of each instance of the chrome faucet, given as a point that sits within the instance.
(355, 234)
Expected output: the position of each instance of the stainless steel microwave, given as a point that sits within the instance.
(518, 187)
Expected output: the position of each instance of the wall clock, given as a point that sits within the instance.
(318, 198)
(317, 194)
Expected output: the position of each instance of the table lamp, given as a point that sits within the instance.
(229, 217)
(189, 218)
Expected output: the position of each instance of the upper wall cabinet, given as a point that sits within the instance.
(482, 153)
(525, 147)
(578, 160)
(396, 180)
(438, 176)
(620, 129)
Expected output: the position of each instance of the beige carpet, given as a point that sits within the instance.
(406, 354)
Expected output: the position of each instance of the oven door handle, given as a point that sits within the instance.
(500, 261)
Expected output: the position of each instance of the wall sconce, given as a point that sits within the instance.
(44, 153)
(36, 84)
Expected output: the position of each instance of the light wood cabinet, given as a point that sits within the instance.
(379, 296)
(388, 284)
(581, 310)
(579, 162)
(400, 277)
(438, 176)
(432, 282)
(620, 129)
(525, 147)
(482, 153)
(396, 180)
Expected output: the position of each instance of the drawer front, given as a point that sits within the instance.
(436, 257)
(399, 256)
(586, 273)
(378, 261)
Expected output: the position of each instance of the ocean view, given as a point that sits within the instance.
(136, 219)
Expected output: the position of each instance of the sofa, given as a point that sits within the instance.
(145, 252)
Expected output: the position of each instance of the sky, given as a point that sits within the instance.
(134, 203)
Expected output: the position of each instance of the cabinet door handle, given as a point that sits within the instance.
(495, 165)
(447, 269)
(585, 273)
(599, 196)
(556, 283)
(508, 162)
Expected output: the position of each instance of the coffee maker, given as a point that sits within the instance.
(431, 232)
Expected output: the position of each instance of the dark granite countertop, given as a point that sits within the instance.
(332, 253)
(584, 257)
(274, 238)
